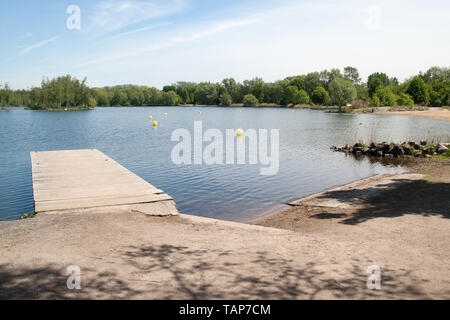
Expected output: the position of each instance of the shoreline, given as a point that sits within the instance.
(436, 113)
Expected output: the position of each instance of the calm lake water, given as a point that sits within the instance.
(229, 192)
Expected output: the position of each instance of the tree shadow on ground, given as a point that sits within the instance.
(200, 274)
(50, 282)
(178, 272)
(402, 197)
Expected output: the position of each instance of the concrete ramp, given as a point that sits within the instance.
(80, 179)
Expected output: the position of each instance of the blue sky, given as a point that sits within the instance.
(160, 42)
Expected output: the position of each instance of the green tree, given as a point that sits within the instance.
(225, 99)
(342, 91)
(206, 94)
(376, 81)
(170, 98)
(273, 93)
(404, 99)
(418, 91)
(352, 74)
(250, 101)
(119, 98)
(291, 95)
(386, 96)
(303, 97)
(320, 96)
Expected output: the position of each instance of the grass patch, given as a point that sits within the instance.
(26, 216)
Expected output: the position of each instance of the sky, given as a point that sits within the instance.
(156, 43)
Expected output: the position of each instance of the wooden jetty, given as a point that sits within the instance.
(80, 179)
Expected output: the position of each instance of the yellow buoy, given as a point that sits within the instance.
(199, 112)
(240, 110)
(155, 123)
(151, 118)
(165, 114)
(239, 132)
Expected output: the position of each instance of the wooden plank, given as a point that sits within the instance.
(93, 202)
(76, 179)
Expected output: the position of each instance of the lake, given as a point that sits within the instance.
(229, 192)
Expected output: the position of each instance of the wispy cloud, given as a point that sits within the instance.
(36, 45)
(141, 30)
(114, 15)
(203, 33)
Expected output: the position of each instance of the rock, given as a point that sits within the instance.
(441, 149)
(389, 155)
(365, 150)
(373, 152)
(379, 153)
(373, 145)
(423, 142)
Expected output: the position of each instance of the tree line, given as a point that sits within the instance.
(328, 87)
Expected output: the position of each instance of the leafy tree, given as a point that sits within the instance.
(170, 98)
(418, 91)
(342, 91)
(119, 98)
(313, 80)
(404, 99)
(386, 96)
(170, 88)
(292, 95)
(376, 81)
(92, 102)
(225, 99)
(436, 74)
(352, 74)
(101, 96)
(233, 88)
(320, 96)
(250, 101)
(273, 93)
(206, 94)
(255, 87)
(298, 82)
(302, 97)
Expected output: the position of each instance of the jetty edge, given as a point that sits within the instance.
(84, 179)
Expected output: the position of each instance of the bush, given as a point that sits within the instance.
(320, 96)
(404, 99)
(375, 101)
(250, 101)
(302, 97)
(386, 96)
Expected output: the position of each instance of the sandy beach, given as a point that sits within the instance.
(432, 113)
